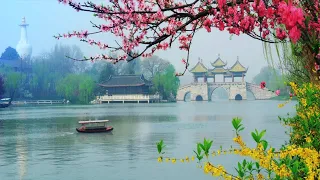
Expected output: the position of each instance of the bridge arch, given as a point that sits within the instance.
(238, 97)
(186, 95)
(214, 89)
(205, 90)
(194, 89)
(250, 94)
(199, 98)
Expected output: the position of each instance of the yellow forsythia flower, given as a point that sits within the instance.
(187, 159)
(173, 161)
(308, 139)
(260, 176)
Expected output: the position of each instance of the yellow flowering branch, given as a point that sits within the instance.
(298, 160)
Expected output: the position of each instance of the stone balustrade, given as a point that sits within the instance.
(128, 97)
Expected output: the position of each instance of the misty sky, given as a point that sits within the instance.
(47, 18)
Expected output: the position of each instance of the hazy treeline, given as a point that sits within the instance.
(54, 76)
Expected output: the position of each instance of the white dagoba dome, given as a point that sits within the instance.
(24, 49)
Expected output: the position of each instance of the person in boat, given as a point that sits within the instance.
(82, 127)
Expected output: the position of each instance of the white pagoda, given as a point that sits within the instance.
(24, 49)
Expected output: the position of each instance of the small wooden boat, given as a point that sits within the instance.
(5, 102)
(94, 126)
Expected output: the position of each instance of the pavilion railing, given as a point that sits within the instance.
(128, 97)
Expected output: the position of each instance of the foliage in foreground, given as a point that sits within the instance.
(299, 159)
(305, 125)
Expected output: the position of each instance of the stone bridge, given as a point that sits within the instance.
(235, 90)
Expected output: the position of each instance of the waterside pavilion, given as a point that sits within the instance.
(127, 89)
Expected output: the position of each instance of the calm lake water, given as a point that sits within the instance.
(41, 143)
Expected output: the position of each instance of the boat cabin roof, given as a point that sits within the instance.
(5, 99)
(89, 122)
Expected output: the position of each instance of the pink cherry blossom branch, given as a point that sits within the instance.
(156, 24)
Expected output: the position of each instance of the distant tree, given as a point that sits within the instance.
(76, 88)
(13, 82)
(153, 65)
(60, 62)
(10, 54)
(95, 70)
(166, 83)
(273, 78)
(2, 88)
(131, 67)
(68, 87)
(295, 67)
(51, 67)
(107, 71)
(86, 90)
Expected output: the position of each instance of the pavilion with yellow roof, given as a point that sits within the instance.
(201, 71)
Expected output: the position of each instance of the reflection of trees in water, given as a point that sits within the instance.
(202, 117)
(136, 119)
(133, 149)
(63, 147)
(227, 118)
(1, 128)
(22, 151)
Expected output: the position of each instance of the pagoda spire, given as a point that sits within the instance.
(24, 49)
(24, 36)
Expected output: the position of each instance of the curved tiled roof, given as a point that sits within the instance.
(125, 80)
(237, 67)
(219, 70)
(218, 63)
(199, 68)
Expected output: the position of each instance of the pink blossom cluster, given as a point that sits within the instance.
(155, 25)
